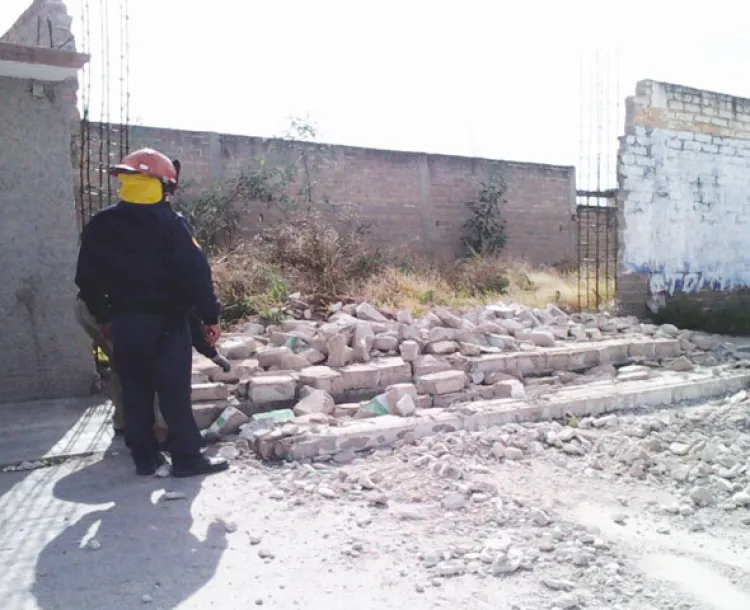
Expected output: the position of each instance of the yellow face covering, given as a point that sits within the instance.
(137, 188)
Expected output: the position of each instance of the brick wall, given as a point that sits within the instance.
(684, 201)
(412, 199)
(47, 355)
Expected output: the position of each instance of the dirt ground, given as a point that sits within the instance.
(647, 511)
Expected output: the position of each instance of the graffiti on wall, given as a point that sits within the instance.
(670, 283)
(664, 283)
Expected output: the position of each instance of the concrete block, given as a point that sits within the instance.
(444, 382)
(264, 390)
(667, 348)
(241, 370)
(385, 343)
(392, 370)
(358, 377)
(238, 348)
(316, 401)
(204, 392)
(423, 401)
(320, 378)
(205, 413)
(424, 365)
(272, 356)
(509, 389)
(293, 362)
(204, 366)
(442, 347)
(409, 351)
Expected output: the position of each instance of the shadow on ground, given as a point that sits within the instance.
(147, 546)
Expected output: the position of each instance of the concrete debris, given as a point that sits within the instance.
(300, 378)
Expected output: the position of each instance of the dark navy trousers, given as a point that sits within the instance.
(153, 356)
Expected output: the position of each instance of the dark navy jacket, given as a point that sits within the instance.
(142, 258)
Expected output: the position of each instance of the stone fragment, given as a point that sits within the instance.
(542, 338)
(702, 496)
(228, 422)
(316, 401)
(444, 382)
(454, 501)
(272, 388)
(409, 351)
(442, 347)
(272, 356)
(339, 352)
(403, 317)
(509, 389)
(313, 356)
(362, 342)
(365, 311)
(470, 349)
(405, 407)
(681, 364)
(293, 362)
(385, 343)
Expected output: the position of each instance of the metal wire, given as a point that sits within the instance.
(597, 178)
(108, 141)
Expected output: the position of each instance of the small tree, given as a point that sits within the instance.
(485, 227)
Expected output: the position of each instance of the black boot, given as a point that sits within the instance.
(193, 466)
(147, 466)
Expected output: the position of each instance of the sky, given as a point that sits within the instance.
(482, 78)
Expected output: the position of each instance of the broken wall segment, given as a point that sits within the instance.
(387, 431)
(682, 166)
(588, 349)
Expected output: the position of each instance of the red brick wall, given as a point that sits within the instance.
(412, 199)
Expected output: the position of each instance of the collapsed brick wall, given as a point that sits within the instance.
(413, 200)
(684, 195)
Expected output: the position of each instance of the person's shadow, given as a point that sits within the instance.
(143, 550)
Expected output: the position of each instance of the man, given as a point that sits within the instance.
(139, 274)
(94, 331)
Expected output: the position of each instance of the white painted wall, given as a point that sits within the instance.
(685, 190)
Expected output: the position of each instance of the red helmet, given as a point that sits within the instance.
(148, 162)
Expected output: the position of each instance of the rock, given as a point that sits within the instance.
(513, 453)
(470, 349)
(146, 599)
(409, 350)
(339, 353)
(405, 407)
(509, 389)
(542, 338)
(449, 568)
(316, 401)
(365, 311)
(681, 364)
(293, 362)
(539, 517)
(701, 496)
(228, 422)
(327, 492)
(449, 319)
(454, 501)
(444, 382)
(442, 348)
(271, 356)
(93, 544)
(385, 343)
(679, 449)
(403, 317)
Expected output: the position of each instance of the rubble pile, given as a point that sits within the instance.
(363, 363)
(478, 518)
